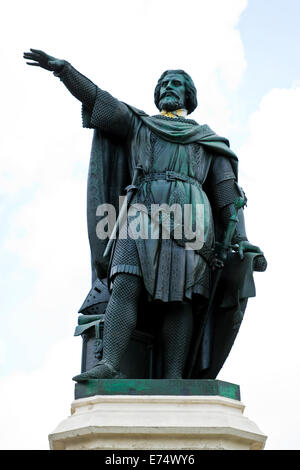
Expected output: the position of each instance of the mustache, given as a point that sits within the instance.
(169, 93)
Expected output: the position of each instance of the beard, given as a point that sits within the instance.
(170, 103)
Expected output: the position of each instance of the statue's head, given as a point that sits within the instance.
(175, 90)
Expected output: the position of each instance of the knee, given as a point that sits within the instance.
(126, 288)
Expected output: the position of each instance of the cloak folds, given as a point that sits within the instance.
(110, 171)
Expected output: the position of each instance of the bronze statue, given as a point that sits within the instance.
(193, 297)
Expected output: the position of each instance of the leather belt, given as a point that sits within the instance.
(169, 176)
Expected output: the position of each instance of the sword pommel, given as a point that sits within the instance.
(239, 203)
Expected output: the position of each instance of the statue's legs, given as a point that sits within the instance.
(176, 337)
(119, 324)
(121, 317)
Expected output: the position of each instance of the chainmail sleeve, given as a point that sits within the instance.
(99, 108)
(110, 115)
(225, 190)
(80, 86)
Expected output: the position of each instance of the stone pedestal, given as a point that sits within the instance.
(179, 420)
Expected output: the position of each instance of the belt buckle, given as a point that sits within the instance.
(170, 176)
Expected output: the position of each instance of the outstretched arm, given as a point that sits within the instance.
(108, 113)
(79, 85)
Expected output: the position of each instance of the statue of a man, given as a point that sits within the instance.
(179, 162)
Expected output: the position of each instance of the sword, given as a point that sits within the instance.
(223, 249)
(130, 190)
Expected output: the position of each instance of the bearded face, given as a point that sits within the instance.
(172, 92)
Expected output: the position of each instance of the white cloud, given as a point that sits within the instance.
(270, 159)
(3, 354)
(33, 404)
(44, 153)
(265, 359)
(124, 46)
(49, 236)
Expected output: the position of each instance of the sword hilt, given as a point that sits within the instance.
(239, 203)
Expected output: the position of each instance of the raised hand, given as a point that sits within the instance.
(43, 60)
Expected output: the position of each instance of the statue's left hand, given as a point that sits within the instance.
(245, 246)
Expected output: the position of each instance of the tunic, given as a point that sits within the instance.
(170, 272)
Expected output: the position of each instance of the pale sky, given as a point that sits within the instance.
(244, 59)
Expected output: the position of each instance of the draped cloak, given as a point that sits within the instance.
(111, 170)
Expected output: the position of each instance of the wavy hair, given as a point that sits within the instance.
(190, 90)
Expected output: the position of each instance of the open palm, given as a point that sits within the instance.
(43, 60)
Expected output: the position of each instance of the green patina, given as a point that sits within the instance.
(157, 387)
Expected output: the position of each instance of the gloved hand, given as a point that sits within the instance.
(43, 60)
(245, 246)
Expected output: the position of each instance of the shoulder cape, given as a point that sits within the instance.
(109, 171)
(183, 132)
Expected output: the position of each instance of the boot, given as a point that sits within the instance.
(103, 370)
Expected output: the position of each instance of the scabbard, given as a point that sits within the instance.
(130, 190)
(222, 256)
